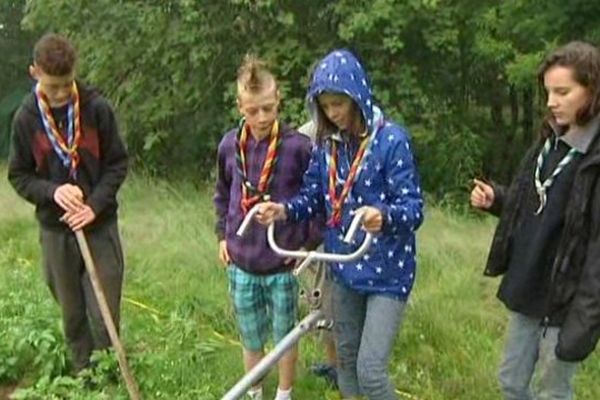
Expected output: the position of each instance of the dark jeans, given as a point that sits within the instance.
(70, 285)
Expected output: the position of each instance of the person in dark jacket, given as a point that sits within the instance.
(547, 243)
(68, 160)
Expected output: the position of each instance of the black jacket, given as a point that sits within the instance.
(574, 299)
(35, 171)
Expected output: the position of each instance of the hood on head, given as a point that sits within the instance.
(341, 72)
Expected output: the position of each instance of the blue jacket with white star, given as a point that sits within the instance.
(387, 179)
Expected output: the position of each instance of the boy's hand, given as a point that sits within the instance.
(372, 219)
(69, 197)
(79, 219)
(270, 212)
(223, 253)
(482, 195)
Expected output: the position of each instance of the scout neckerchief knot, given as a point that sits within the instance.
(338, 201)
(253, 194)
(542, 187)
(65, 150)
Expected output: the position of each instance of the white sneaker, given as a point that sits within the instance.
(283, 394)
(254, 394)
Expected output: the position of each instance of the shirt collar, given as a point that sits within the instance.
(580, 137)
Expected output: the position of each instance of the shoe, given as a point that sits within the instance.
(254, 395)
(327, 372)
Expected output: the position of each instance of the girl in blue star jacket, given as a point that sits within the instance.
(361, 162)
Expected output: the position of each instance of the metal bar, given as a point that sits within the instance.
(269, 361)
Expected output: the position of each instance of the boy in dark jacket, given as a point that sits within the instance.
(68, 160)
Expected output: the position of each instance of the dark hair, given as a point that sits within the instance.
(254, 75)
(326, 128)
(584, 60)
(55, 54)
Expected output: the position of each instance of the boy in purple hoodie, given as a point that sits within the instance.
(260, 160)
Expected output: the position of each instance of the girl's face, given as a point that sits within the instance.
(338, 108)
(566, 96)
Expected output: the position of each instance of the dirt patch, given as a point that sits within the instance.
(6, 390)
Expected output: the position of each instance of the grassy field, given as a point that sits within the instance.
(178, 325)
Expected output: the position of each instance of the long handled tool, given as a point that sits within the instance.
(313, 318)
(132, 387)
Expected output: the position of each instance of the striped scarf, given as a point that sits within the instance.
(65, 150)
(337, 202)
(542, 187)
(252, 194)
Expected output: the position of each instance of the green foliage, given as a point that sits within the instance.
(451, 71)
(15, 47)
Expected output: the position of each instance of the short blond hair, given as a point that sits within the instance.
(254, 75)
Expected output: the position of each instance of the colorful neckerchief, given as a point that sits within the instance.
(542, 187)
(253, 194)
(338, 202)
(66, 151)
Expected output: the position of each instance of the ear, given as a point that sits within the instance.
(239, 104)
(34, 72)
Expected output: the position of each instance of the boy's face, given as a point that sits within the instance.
(338, 108)
(58, 89)
(260, 109)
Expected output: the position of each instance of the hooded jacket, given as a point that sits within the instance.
(387, 179)
(35, 170)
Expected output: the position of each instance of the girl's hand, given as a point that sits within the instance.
(270, 212)
(372, 219)
(482, 195)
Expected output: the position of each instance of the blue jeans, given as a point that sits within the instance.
(365, 329)
(527, 350)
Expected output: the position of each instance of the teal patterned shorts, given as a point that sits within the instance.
(260, 301)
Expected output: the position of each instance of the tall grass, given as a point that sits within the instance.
(178, 326)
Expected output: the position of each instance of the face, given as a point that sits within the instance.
(260, 109)
(338, 108)
(58, 89)
(565, 95)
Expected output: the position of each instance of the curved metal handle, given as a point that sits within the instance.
(310, 256)
(246, 221)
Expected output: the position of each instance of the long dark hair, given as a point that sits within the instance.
(584, 60)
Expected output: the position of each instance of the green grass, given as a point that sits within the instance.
(178, 326)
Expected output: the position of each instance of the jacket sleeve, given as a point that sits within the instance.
(501, 192)
(222, 192)
(580, 331)
(317, 222)
(309, 202)
(22, 168)
(113, 159)
(499, 196)
(403, 206)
